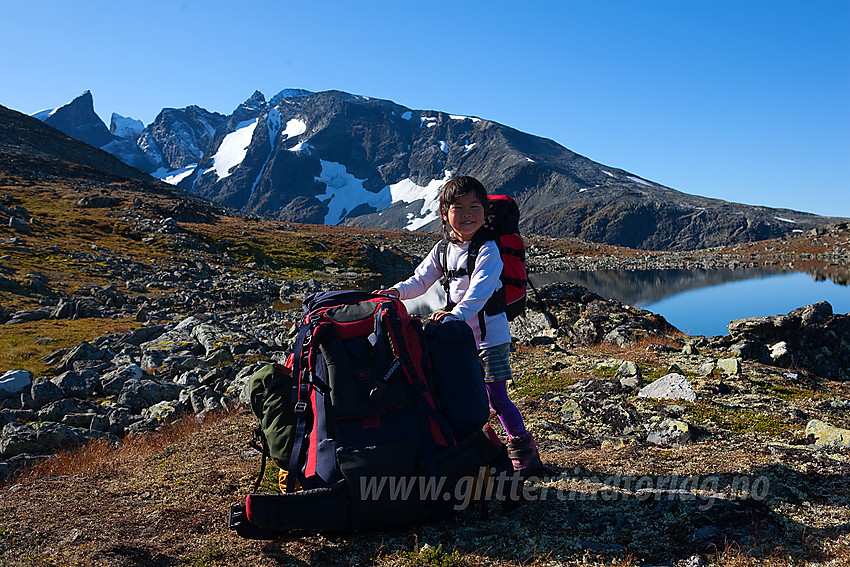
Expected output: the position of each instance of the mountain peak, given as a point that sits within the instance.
(125, 127)
(255, 101)
(289, 93)
(79, 120)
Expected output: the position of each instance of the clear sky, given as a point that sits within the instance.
(742, 100)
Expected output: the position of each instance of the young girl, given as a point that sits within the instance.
(463, 207)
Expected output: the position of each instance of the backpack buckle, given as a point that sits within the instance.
(300, 407)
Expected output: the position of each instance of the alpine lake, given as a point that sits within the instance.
(696, 301)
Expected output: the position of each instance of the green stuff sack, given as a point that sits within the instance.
(270, 391)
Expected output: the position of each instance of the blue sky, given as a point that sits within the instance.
(747, 101)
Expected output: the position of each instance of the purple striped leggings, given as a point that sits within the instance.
(497, 394)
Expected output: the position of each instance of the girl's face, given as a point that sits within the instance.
(465, 216)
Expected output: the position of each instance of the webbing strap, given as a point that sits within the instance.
(300, 430)
(300, 394)
(496, 303)
(264, 450)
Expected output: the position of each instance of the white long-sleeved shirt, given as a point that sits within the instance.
(469, 293)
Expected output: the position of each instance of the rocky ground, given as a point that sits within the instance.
(125, 314)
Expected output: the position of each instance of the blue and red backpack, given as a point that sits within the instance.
(372, 398)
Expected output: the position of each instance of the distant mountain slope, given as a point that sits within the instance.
(27, 144)
(336, 158)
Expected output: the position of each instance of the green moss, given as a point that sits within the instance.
(652, 373)
(739, 421)
(605, 371)
(207, 556)
(790, 393)
(428, 556)
(270, 479)
(534, 384)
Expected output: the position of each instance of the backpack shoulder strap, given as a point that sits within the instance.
(443, 259)
(483, 235)
(442, 255)
(478, 239)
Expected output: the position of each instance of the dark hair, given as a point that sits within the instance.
(454, 189)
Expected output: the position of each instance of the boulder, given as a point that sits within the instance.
(14, 381)
(44, 391)
(629, 375)
(20, 225)
(730, 366)
(41, 438)
(672, 386)
(55, 411)
(163, 411)
(80, 384)
(139, 394)
(823, 434)
(82, 352)
(617, 417)
(669, 432)
(113, 381)
(815, 339)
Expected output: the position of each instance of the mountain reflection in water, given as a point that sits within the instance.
(703, 302)
(644, 287)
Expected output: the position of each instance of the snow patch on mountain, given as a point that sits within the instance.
(125, 127)
(44, 114)
(48, 112)
(273, 122)
(459, 117)
(429, 121)
(344, 192)
(174, 176)
(444, 146)
(785, 220)
(147, 143)
(233, 148)
(641, 181)
(409, 192)
(302, 147)
(294, 128)
(467, 146)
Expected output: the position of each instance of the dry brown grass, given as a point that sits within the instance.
(98, 454)
(641, 351)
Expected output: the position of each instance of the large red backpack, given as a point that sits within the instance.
(366, 400)
(502, 226)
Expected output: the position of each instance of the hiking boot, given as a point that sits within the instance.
(524, 455)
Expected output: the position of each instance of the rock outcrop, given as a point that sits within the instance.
(811, 338)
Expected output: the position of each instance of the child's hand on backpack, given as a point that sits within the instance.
(438, 316)
(392, 292)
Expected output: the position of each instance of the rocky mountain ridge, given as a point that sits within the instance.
(332, 158)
